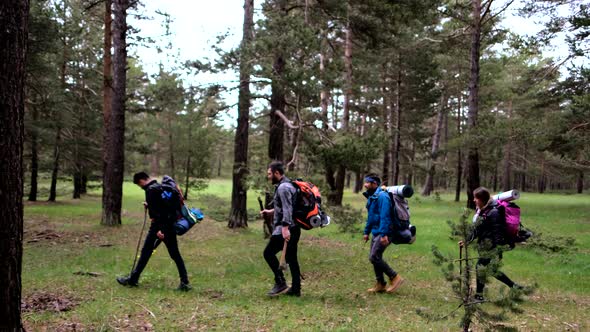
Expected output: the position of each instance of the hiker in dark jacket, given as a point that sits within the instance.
(285, 229)
(489, 230)
(163, 206)
(378, 224)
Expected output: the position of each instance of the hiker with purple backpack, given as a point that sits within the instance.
(490, 232)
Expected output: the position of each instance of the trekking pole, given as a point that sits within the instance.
(139, 241)
(460, 268)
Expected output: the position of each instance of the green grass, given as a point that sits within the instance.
(230, 277)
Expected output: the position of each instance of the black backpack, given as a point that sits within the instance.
(169, 203)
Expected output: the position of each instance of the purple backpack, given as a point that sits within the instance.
(512, 220)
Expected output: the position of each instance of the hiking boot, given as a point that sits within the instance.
(279, 288)
(293, 292)
(184, 287)
(127, 281)
(478, 298)
(517, 286)
(378, 288)
(394, 283)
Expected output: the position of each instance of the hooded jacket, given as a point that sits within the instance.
(379, 213)
(490, 229)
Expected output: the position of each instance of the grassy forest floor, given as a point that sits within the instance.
(70, 264)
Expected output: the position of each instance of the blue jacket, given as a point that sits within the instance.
(379, 213)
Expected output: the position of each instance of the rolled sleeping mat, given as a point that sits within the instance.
(507, 196)
(403, 190)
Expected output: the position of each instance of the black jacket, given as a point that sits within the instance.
(490, 229)
(163, 204)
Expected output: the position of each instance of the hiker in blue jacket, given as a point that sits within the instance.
(489, 230)
(378, 224)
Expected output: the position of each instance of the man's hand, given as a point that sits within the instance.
(145, 205)
(160, 235)
(384, 240)
(366, 238)
(265, 213)
(286, 233)
(461, 243)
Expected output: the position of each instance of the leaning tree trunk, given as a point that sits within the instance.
(34, 156)
(116, 149)
(429, 184)
(473, 155)
(238, 216)
(107, 90)
(13, 48)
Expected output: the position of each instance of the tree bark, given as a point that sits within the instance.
(507, 169)
(13, 49)
(325, 92)
(238, 215)
(429, 184)
(397, 114)
(34, 156)
(107, 91)
(473, 155)
(459, 154)
(55, 169)
(580, 182)
(386, 126)
(277, 100)
(113, 197)
(347, 72)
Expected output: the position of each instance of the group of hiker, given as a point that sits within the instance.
(381, 225)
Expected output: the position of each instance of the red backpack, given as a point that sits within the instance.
(307, 210)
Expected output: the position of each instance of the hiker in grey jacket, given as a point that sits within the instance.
(285, 230)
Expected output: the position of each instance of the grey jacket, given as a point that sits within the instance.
(283, 199)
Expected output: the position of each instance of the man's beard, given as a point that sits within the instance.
(275, 180)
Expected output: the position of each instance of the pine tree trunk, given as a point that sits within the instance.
(107, 91)
(113, 196)
(524, 169)
(386, 126)
(580, 182)
(277, 101)
(171, 164)
(34, 157)
(507, 155)
(13, 49)
(429, 184)
(459, 154)
(473, 155)
(55, 169)
(238, 215)
(347, 73)
(325, 92)
(397, 114)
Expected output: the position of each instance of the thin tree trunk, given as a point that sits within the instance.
(459, 154)
(524, 168)
(113, 197)
(473, 155)
(507, 155)
(238, 215)
(107, 90)
(429, 184)
(34, 156)
(347, 72)
(14, 17)
(397, 114)
(55, 169)
(171, 165)
(325, 92)
(580, 182)
(188, 162)
(386, 126)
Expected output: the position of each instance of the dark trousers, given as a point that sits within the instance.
(483, 262)
(151, 242)
(376, 258)
(275, 245)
